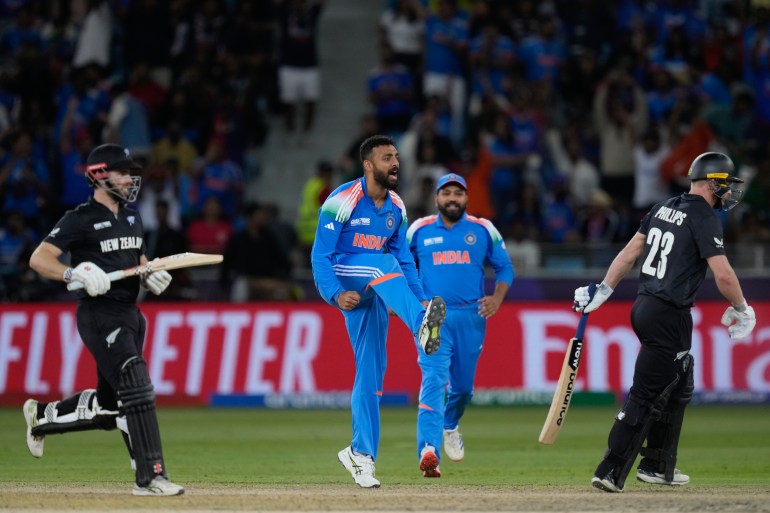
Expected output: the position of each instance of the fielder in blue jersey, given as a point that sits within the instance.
(451, 249)
(362, 264)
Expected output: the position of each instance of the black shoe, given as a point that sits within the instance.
(606, 483)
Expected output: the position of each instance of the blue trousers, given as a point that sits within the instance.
(379, 280)
(462, 338)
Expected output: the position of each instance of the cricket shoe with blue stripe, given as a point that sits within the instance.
(453, 444)
(429, 334)
(360, 466)
(606, 483)
(648, 476)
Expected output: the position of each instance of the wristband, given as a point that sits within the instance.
(742, 307)
(67, 276)
(605, 289)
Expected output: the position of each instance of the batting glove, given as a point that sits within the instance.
(94, 280)
(740, 320)
(584, 303)
(156, 282)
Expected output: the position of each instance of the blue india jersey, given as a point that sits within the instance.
(451, 260)
(350, 223)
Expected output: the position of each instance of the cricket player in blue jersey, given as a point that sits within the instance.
(451, 249)
(362, 265)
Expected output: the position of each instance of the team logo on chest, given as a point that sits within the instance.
(390, 222)
(131, 220)
(117, 243)
(470, 239)
(450, 257)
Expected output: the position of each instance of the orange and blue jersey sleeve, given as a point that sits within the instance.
(332, 215)
(497, 255)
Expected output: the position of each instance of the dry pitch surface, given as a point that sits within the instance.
(637, 498)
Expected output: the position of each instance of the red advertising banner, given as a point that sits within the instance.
(195, 350)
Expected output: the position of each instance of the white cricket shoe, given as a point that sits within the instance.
(158, 487)
(360, 466)
(429, 334)
(429, 462)
(34, 443)
(660, 478)
(453, 444)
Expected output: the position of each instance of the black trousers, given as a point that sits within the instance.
(113, 332)
(664, 332)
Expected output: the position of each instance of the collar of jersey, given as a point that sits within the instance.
(694, 197)
(388, 205)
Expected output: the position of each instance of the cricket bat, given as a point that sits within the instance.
(566, 384)
(166, 263)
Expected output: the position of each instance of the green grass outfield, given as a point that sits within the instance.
(725, 445)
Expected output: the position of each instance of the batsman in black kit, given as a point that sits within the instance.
(677, 241)
(104, 235)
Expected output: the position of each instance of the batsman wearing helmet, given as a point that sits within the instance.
(677, 240)
(101, 236)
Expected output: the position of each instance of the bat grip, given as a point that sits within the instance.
(584, 318)
(77, 285)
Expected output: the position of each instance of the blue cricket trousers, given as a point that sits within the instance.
(462, 338)
(382, 285)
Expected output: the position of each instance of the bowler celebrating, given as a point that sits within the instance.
(362, 265)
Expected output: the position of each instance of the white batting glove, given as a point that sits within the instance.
(156, 282)
(584, 303)
(740, 320)
(94, 280)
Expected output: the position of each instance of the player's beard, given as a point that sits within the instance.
(125, 193)
(383, 178)
(452, 215)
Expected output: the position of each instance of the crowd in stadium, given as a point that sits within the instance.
(569, 118)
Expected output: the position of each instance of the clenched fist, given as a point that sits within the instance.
(156, 282)
(94, 280)
(740, 321)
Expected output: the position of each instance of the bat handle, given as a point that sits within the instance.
(74, 285)
(77, 285)
(584, 318)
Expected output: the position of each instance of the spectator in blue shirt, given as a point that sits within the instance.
(391, 93)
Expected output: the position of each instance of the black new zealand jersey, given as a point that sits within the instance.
(92, 233)
(682, 232)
